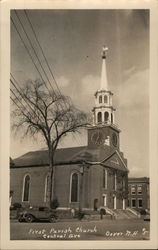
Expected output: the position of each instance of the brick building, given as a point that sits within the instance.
(138, 193)
(84, 177)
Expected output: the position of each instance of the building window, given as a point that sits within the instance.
(140, 204)
(105, 99)
(100, 99)
(133, 190)
(74, 187)
(99, 117)
(139, 190)
(114, 182)
(26, 188)
(133, 202)
(46, 190)
(106, 116)
(123, 183)
(105, 178)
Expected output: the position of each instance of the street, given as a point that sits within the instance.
(81, 230)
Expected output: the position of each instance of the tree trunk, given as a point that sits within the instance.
(51, 166)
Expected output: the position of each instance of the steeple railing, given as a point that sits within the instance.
(108, 122)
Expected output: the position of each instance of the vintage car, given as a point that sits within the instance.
(147, 217)
(38, 213)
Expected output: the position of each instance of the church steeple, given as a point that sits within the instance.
(103, 112)
(104, 132)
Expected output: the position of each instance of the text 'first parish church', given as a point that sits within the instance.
(86, 177)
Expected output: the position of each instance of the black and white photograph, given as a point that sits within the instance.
(79, 116)
(79, 91)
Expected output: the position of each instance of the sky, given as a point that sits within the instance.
(72, 41)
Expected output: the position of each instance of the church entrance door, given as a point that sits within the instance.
(95, 204)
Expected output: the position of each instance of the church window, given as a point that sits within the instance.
(105, 178)
(106, 116)
(26, 188)
(99, 117)
(100, 99)
(111, 118)
(115, 181)
(105, 99)
(74, 187)
(123, 184)
(46, 188)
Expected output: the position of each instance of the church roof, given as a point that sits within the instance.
(72, 155)
(40, 157)
(138, 180)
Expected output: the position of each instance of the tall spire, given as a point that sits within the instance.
(104, 81)
(103, 112)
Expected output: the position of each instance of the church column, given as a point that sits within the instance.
(103, 117)
(115, 201)
(123, 204)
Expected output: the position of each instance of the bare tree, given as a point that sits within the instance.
(52, 115)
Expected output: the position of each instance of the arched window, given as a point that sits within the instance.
(106, 116)
(26, 188)
(111, 118)
(99, 117)
(105, 99)
(74, 187)
(100, 99)
(46, 193)
(105, 178)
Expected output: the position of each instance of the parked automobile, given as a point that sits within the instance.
(147, 217)
(38, 213)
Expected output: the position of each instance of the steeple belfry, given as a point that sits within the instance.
(104, 81)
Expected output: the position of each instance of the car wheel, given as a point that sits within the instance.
(29, 218)
(20, 219)
(52, 219)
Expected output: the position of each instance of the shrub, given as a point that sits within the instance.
(54, 203)
(102, 211)
(142, 211)
(80, 215)
(64, 214)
